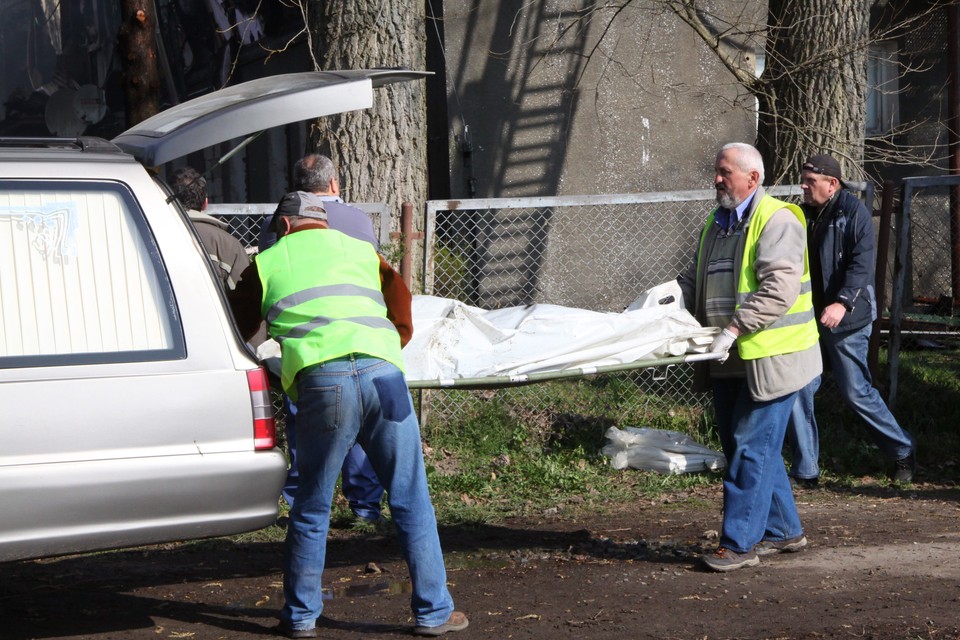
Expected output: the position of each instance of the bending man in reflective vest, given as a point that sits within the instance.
(751, 279)
(340, 313)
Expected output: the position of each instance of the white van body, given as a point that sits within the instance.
(127, 416)
(131, 411)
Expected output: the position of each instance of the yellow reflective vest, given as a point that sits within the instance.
(794, 331)
(322, 301)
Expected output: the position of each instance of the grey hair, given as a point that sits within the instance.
(313, 173)
(747, 158)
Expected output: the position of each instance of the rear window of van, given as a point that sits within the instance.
(81, 278)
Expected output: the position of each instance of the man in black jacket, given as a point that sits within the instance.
(842, 269)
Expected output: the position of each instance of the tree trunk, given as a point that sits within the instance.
(138, 55)
(815, 83)
(380, 153)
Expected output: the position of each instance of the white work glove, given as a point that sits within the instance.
(722, 344)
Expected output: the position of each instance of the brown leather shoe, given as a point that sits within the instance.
(456, 622)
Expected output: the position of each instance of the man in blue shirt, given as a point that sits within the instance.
(315, 173)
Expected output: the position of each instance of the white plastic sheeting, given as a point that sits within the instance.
(452, 340)
(659, 450)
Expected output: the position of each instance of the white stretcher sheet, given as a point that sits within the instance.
(453, 340)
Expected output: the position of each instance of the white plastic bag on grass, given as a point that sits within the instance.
(659, 450)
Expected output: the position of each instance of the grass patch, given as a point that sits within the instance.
(535, 450)
(927, 406)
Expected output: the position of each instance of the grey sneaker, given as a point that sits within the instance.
(724, 560)
(290, 632)
(905, 468)
(790, 545)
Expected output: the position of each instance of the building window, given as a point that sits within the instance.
(883, 92)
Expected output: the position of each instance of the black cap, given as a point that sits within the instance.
(824, 165)
(299, 203)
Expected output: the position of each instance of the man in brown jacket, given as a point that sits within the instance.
(227, 254)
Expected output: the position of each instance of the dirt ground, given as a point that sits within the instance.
(883, 563)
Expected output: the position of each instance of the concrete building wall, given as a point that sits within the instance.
(531, 115)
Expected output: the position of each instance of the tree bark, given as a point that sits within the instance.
(138, 55)
(380, 153)
(813, 92)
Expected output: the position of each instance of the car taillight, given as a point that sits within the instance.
(264, 425)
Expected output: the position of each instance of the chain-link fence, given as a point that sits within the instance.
(245, 219)
(926, 266)
(590, 252)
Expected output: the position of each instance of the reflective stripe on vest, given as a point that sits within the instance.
(796, 330)
(226, 270)
(322, 301)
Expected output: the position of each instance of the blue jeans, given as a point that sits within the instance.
(360, 484)
(803, 435)
(289, 489)
(359, 481)
(757, 499)
(365, 400)
(847, 352)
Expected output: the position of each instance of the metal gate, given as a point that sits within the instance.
(926, 266)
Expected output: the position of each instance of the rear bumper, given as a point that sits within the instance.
(55, 509)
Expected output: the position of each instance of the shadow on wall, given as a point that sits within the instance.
(527, 96)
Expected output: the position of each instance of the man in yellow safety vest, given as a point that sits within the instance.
(751, 279)
(340, 314)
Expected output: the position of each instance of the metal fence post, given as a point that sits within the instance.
(880, 284)
(406, 234)
(900, 268)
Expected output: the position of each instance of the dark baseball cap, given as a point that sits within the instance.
(299, 203)
(824, 165)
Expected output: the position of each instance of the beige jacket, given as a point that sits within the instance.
(778, 266)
